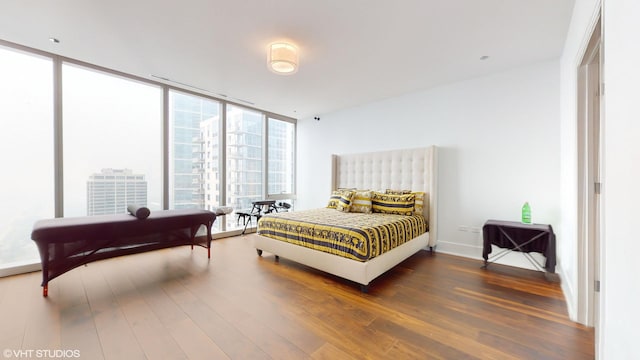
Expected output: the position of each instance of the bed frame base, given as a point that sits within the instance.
(360, 272)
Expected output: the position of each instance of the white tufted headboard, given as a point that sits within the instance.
(408, 169)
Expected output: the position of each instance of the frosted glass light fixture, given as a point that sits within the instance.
(282, 58)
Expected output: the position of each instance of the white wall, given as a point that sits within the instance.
(499, 144)
(505, 118)
(620, 286)
(582, 22)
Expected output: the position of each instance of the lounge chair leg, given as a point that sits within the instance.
(45, 290)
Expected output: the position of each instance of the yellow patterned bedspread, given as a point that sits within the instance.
(352, 235)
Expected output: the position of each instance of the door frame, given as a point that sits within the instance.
(589, 145)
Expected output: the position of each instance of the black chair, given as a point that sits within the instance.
(259, 208)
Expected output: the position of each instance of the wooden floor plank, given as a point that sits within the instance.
(195, 343)
(154, 340)
(42, 326)
(13, 313)
(228, 338)
(330, 352)
(263, 311)
(177, 303)
(244, 285)
(258, 332)
(116, 336)
(77, 321)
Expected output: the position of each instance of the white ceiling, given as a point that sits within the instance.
(351, 51)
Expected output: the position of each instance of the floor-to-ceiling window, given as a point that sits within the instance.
(112, 143)
(104, 147)
(26, 155)
(281, 159)
(194, 152)
(244, 158)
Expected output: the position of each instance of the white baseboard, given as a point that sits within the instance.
(20, 269)
(469, 251)
(475, 252)
(569, 295)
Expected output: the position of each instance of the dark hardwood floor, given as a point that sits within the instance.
(175, 304)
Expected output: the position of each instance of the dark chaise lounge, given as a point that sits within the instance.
(66, 243)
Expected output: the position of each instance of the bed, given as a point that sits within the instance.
(397, 171)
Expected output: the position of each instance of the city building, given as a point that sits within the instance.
(111, 190)
(188, 115)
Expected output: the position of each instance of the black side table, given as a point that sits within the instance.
(525, 238)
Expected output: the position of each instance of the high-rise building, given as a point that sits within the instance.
(112, 190)
(281, 157)
(196, 151)
(208, 164)
(244, 157)
(189, 148)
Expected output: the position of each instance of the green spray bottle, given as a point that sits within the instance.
(526, 213)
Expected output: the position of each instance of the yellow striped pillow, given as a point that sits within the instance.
(334, 199)
(393, 204)
(341, 200)
(419, 202)
(362, 202)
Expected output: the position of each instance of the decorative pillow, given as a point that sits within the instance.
(397, 192)
(419, 202)
(345, 201)
(393, 204)
(334, 198)
(362, 202)
(341, 200)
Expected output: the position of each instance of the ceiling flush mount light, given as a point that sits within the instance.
(282, 58)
